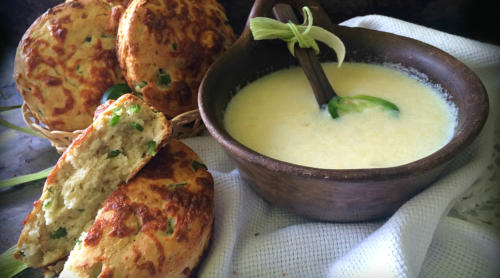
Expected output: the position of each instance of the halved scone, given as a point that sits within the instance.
(120, 141)
(157, 225)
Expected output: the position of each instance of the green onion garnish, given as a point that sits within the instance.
(340, 105)
(151, 147)
(196, 165)
(117, 112)
(26, 178)
(46, 203)
(134, 109)
(170, 226)
(174, 46)
(114, 120)
(136, 126)
(79, 71)
(163, 78)
(174, 186)
(8, 265)
(114, 153)
(61, 232)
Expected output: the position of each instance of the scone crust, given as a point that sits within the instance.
(157, 225)
(165, 47)
(66, 60)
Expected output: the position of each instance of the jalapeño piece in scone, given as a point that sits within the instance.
(66, 60)
(156, 225)
(165, 47)
(109, 152)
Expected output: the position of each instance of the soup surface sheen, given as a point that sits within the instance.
(277, 115)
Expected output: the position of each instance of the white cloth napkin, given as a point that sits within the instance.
(255, 239)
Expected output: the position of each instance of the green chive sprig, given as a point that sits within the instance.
(8, 265)
(26, 178)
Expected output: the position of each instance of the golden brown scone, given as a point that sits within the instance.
(121, 140)
(165, 47)
(157, 225)
(66, 60)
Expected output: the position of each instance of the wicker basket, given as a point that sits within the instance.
(185, 125)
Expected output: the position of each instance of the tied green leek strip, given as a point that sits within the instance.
(264, 28)
(340, 105)
(21, 129)
(26, 178)
(7, 108)
(8, 265)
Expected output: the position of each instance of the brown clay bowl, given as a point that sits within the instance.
(339, 195)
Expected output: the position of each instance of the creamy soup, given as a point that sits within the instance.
(278, 116)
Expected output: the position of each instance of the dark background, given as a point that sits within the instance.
(469, 18)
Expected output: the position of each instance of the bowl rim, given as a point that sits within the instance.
(466, 134)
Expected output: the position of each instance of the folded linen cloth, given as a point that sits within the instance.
(255, 239)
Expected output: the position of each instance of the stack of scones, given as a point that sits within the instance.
(124, 199)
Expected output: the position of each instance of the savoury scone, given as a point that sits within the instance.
(157, 225)
(109, 152)
(66, 60)
(165, 47)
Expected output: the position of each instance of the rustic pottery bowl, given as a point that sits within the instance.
(339, 195)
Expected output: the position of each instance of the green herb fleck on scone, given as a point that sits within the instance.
(151, 147)
(59, 233)
(117, 113)
(137, 126)
(163, 78)
(134, 109)
(114, 153)
(170, 226)
(175, 186)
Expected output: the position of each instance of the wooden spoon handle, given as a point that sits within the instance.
(307, 60)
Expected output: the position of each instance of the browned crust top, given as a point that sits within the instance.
(66, 60)
(175, 38)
